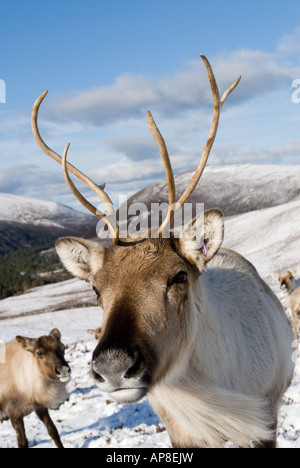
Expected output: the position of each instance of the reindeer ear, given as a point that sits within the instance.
(56, 333)
(81, 257)
(27, 343)
(275, 276)
(201, 239)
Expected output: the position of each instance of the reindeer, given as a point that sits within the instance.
(288, 281)
(33, 378)
(188, 324)
(97, 333)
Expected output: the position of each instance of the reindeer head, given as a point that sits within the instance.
(48, 352)
(144, 286)
(287, 280)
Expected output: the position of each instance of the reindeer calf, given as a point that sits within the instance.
(287, 280)
(96, 333)
(295, 306)
(33, 378)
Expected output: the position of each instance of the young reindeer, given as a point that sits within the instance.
(188, 324)
(287, 280)
(33, 378)
(97, 333)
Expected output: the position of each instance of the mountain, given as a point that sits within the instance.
(43, 213)
(29, 222)
(268, 235)
(234, 189)
(28, 229)
(269, 238)
(261, 204)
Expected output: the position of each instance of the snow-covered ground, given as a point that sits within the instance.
(65, 295)
(89, 418)
(269, 238)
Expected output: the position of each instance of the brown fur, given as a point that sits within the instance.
(287, 280)
(97, 333)
(151, 264)
(200, 333)
(208, 342)
(33, 378)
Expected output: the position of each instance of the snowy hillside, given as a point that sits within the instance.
(89, 418)
(269, 237)
(26, 210)
(65, 295)
(234, 189)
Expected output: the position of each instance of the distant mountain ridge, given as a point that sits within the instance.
(235, 189)
(28, 229)
(29, 222)
(35, 212)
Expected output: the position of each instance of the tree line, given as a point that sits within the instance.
(27, 268)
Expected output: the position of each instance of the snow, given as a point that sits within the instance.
(269, 238)
(66, 294)
(88, 418)
(27, 210)
(234, 189)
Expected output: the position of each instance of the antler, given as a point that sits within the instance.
(99, 190)
(218, 104)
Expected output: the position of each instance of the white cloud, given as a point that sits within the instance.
(136, 148)
(110, 140)
(129, 176)
(12, 179)
(290, 43)
(105, 104)
(132, 95)
(223, 154)
(128, 170)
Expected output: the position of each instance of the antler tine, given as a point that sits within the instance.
(40, 141)
(230, 89)
(166, 160)
(85, 202)
(99, 190)
(218, 104)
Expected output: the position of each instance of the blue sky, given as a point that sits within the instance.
(105, 63)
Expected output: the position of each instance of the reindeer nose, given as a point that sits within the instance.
(112, 367)
(63, 373)
(120, 374)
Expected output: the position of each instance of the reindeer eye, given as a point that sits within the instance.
(40, 353)
(97, 292)
(180, 278)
